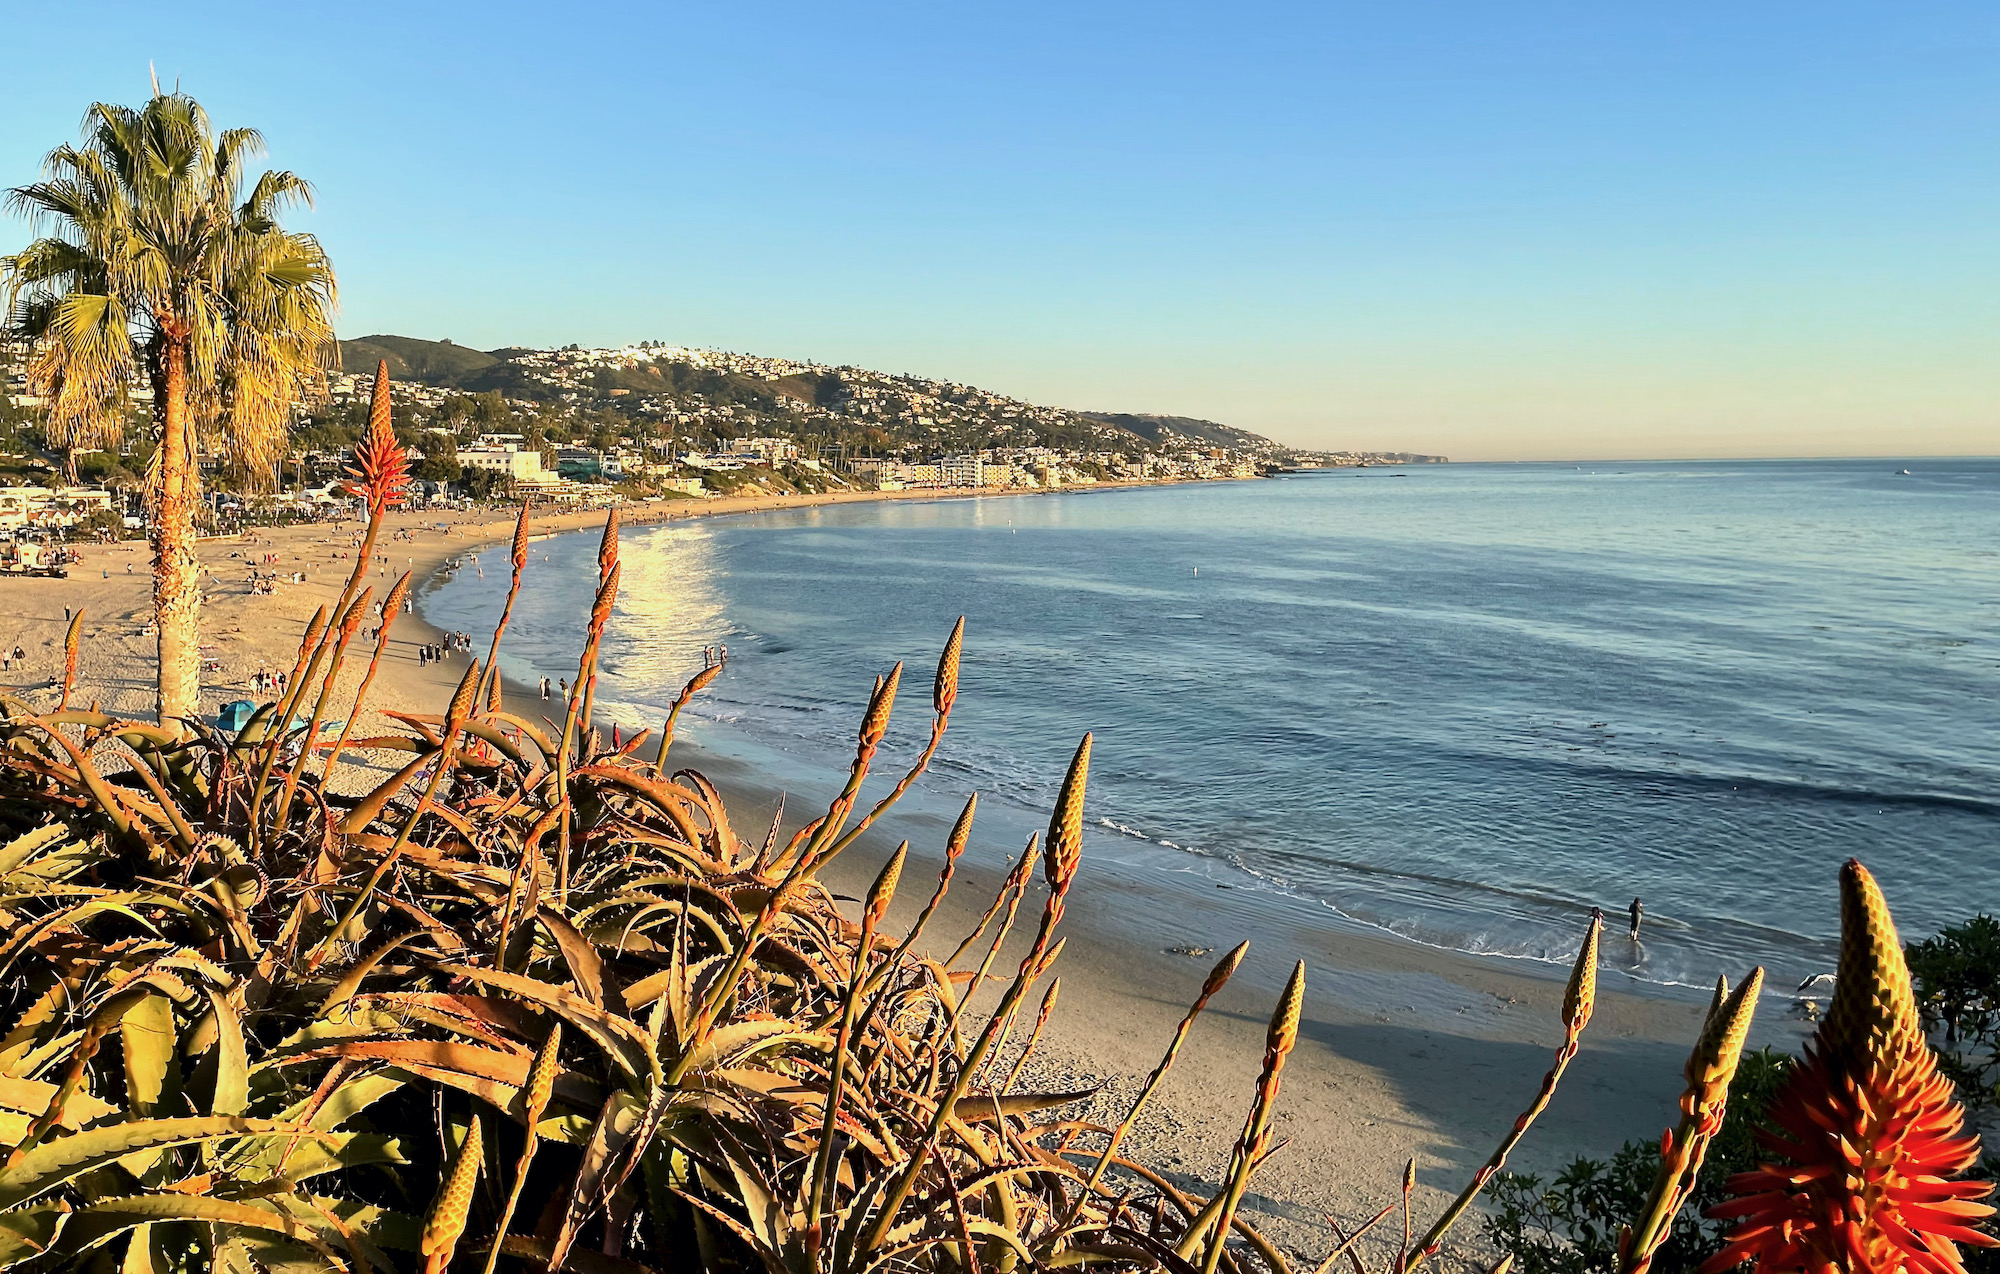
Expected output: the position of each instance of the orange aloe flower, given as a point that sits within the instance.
(1869, 1135)
(381, 466)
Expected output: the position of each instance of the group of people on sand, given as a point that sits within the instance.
(264, 681)
(261, 582)
(437, 651)
(13, 660)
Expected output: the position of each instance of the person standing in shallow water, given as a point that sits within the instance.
(1638, 913)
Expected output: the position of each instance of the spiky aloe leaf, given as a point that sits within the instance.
(26, 1233)
(98, 1222)
(585, 967)
(351, 1098)
(616, 1122)
(62, 1159)
(147, 1031)
(26, 1098)
(621, 1039)
(335, 1153)
(735, 1043)
(447, 1055)
(30, 845)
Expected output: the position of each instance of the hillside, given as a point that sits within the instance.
(426, 362)
(1161, 429)
(726, 394)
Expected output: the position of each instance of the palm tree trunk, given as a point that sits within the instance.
(176, 572)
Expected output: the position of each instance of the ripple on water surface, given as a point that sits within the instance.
(1464, 707)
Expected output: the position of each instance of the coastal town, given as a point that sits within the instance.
(640, 421)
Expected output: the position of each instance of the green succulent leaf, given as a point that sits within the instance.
(98, 1222)
(62, 1159)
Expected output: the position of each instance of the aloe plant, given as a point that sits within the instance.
(532, 1000)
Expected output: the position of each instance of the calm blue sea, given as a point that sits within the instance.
(1462, 703)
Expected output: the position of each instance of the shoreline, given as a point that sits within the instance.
(1407, 1050)
(1426, 1050)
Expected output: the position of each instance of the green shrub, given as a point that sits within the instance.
(1957, 979)
(1569, 1224)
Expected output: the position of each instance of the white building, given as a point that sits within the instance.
(521, 466)
(961, 471)
(39, 506)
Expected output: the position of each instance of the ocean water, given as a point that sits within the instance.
(1464, 704)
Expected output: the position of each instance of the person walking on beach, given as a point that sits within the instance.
(545, 689)
(1638, 913)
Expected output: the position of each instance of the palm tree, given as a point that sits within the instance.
(155, 261)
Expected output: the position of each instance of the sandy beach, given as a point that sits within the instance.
(1407, 1051)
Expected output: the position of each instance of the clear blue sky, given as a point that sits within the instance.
(1488, 229)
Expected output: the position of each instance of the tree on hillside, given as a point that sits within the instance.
(155, 260)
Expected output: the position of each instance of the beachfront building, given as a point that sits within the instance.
(523, 466)
(961, 471)
(589, 464)
(42, 507)
(771, 451)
